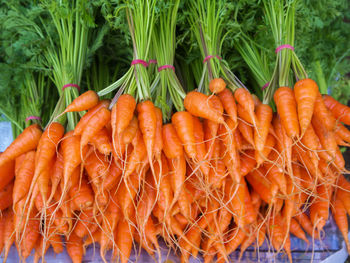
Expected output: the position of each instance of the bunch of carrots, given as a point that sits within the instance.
(225, 172)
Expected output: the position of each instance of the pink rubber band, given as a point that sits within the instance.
(210, 57)
(139, 61)
(33, 118)
(71, 85)
(278, 49)
(152, 61)
(266, 85)
(165, 67)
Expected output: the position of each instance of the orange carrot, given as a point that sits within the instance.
(123, 112)
(229, 104)
(172, 144)
(341, 220)
(24, 177)
(30, 236)
(6, 196)
(198, 104)
(85, 101)
(305, 91)
(183, 123)
(261, 185)
(158, 143)
(217, 85)
(326, 137)
(245, 99)
(2, 229)
(297, 231)
(339, 111)
(137, 155)
(75, 248)
(7, 173)
(200, 146)
(101, 142)
(276, 175)
(268, 148)
(27, 141)
(148, 123)
(264, 117)
(94, 125)
(130, 131)
(124, 240)
(287, 109)
(85, 119)
(112, 179)
(247, 162)
(86, 224)
(246, 131)
(81, 195)
(319, 210)
(178, 171)
(8, 234)
(322, 113)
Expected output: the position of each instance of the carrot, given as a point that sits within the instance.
(172, 144)
(246, 131)
(198, 104)
(306, 179)
(94, 125)
(276, 175)
(137, 155)
(24, 177)
(127, 192)
(177, 175)
(319, 210)
(343, 132)
(124, 239)
(217, 172)
(8, 234)
(75, 248)
(305, 92)
(341, 220)
(245, 99)
(79, 128)
(71, 156)
(264, 117)
(200, 146)
(86, 224)
(322, 113)
(183, 123)
(326, 137)
(297, 231)
(148, 123)
(113, 177)
(266, 190)
(344, 196)
(130, 131)
(27, 141)
(268, 147)
(165, 194)
(6, 196)
(7, 173)
(30, 237)
(247, 162)
(217, 85)
(81, 195)
(57, 173)
(339, 111)
(123, 112)
(250, 212)
(85, 101)
(2, 229)
(287, 109)
(96, 167)
(101, 142)
(235, 193)
(229, 104)
(158, 143)
(234, 240)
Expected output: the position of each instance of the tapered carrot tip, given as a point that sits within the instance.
(85, 101)
(217, 85)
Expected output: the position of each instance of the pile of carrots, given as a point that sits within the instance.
(224, 173)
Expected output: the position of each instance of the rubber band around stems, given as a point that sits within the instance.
(139, 61)
(71, 85)
(152, 61)
(266, 85)
(279, 48)
(33, 118)
(210, 57)
(165, 67)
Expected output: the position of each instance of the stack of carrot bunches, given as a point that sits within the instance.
(226, 172)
